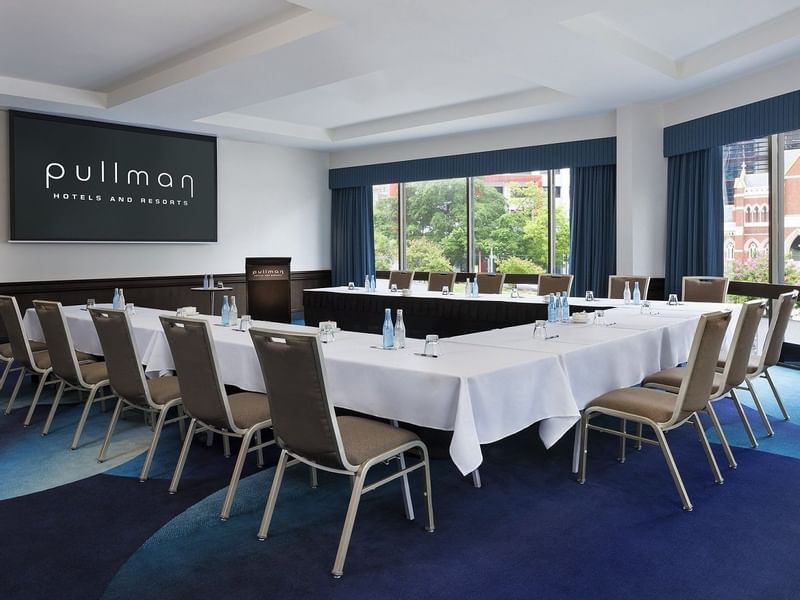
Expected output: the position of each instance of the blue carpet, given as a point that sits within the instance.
(531, 531)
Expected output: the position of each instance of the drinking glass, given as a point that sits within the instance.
(245, 322)
(431, 345)
(351, 285)
(673, 300)
(90, 303)
(445, 290)
(514, 291)
(646, 308)
(600, 317)
(589, 296)
(540, 329)
(394, 287)
(130, 308)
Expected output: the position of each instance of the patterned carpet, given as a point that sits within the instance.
(74, 528)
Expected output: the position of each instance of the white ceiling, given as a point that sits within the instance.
(330, 74)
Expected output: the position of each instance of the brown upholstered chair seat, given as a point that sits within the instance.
(6, 352)
(164, 389)
(364, 439)
(655, 405)
(674, 377)
(752, 364)
(249, 408)
(94, 372)
(42, 358)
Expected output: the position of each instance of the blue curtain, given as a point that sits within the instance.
(582, 153)
(694, 216)
(593, 228)
(352, 245)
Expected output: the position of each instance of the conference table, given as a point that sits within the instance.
(483, 386)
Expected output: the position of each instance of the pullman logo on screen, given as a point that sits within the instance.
(160, 188)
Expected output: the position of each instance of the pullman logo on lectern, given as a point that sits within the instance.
(265, 273)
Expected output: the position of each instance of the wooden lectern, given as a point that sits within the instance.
(269, 288)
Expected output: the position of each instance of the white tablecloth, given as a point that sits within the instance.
(481, 393)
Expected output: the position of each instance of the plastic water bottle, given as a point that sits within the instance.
(372, 284)
(121, 299)
(475, 290)
(468, 288)
(399, 331)
(551, 308)
(366, 284)
(233, 317)
(557, 314)
(226, 312)
(211, 280)
(388, 329)
(115, 300)
(637, 294)
(626, 295)
(205, 281)
(564, 307)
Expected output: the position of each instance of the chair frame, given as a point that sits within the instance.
(27, 369)
(246, 435)
(643, 289)
(702, 278)
(553, 277)
(151, 409)
(357, 473)
(64, 385)
(659, 429)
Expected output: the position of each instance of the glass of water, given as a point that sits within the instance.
(393, 288)
(673, 300)
(90, 303)
(589, 296)
(445, 290)
(540, 329)
(600, 317)
(431, 345)
(245, 322)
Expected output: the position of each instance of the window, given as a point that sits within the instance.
(729, 248)
(511, 223)
(752, 250)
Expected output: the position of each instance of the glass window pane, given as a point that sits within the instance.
(791, 223)
(385, 209)
(562, 205)
(436, 225)
(746, 204)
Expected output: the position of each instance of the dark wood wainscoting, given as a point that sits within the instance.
(154, 292)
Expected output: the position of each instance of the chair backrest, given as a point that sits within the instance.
(742, 343)
(771, 352)
(696, 386)
(490, 283)
(12, 320)
(195, 359)
(125, 372)
(550, 283)
(704, 289)
(436, 281)
(402, 279)
(59, 341)
(616, 285)
(303, 419)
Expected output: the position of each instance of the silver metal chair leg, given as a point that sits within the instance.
(151, 451)
(673, 468)
(774, 392)
(745, 421)
(639, 435)
(429, 526)
(51, 415)
(726, 447)
(111, 426)
(260, 451)
(36, 396)
(476, 479)
(622, 441)
(237, 473)
(176, 477)
(10, 404)
(263, 530)
(226, 446)
(584, 429)
(761, 411)
(313, 481)
(407, 504)
(84, 415)
(349, 521)
(5, 373)
(712, 462)
(181, 424)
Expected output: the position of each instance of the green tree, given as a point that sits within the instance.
(385, 252)
(425, 255)
(436, 211)
(514, 264)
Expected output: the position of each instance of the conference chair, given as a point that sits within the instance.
(242, 415)
(704, 289)
(490, 283)
(69, 370)
(402, 279)
(759, 365)
(663, 411)
(732, 375)
(436, 281)
(550, 283)
(19, 349)
(155, 397)
(616, 285)
(308, 430)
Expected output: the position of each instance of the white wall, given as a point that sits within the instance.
(273, 201)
